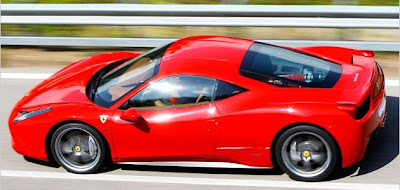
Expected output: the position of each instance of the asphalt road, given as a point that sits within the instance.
(379, 169)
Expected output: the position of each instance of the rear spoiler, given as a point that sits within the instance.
(365, 78)
(363, 53)
(334, 54)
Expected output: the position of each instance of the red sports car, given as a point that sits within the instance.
(305, 110)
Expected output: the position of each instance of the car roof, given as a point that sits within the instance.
(212, 56)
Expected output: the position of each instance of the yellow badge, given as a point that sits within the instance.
(103, 118)
(77, 148)
(306, 153)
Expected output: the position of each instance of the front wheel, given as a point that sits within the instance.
(78, 148)
(306, 153)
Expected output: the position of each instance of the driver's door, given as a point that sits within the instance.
(168, 128)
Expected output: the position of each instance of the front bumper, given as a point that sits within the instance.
(28, 137)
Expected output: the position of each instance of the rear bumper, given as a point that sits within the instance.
(361, 132)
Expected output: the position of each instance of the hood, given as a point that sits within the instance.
(69, 84)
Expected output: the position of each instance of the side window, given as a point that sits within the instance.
(286, 68)
(225, 90)
(175, 91)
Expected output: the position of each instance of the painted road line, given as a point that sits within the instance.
(197, 181)
(47, 75)
(391, 82)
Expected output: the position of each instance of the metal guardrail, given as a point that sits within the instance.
(154, 42)
(336, 11)
(204, 21)
(197, 15)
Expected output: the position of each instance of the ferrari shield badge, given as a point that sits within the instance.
(103, 118)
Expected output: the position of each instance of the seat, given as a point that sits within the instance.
(262, 64)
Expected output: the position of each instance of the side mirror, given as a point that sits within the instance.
(130, 115)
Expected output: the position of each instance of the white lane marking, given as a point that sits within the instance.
(197, 181)
(47, 75)
(24, 75)
(391, 82)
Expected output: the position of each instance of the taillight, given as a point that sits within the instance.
(378, 83)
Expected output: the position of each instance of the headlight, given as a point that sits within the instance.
(27, 115)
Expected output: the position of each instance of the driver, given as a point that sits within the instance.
(173, 94)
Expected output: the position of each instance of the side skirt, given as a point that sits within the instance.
(194, 164)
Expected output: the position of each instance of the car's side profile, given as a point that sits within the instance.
(305, 110)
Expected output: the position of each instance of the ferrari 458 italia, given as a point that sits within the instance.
(307, 111)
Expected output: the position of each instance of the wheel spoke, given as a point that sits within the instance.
(84, 158)
(317, 144)
(66, 148)
(71, 135)
(319, 157)
(307, 165)
(73, 157)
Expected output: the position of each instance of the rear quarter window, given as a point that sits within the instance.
(286, 68)
(226, 90)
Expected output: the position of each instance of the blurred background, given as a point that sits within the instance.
(55, 57)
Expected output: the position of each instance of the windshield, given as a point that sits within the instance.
(118, 82)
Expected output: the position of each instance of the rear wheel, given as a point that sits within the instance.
(306, 153)
(78, 148)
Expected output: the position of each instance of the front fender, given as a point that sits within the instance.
(29, 136)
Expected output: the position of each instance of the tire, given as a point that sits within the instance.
(306, 153)
(78, 148)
